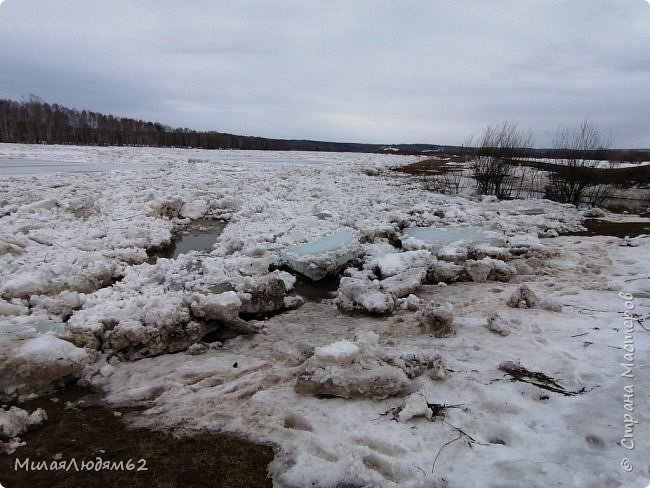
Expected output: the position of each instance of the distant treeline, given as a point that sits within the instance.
(34, 121)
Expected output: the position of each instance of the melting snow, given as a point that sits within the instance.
(74, 250)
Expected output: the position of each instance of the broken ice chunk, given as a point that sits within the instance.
(436, 238)
(523, 297)
(411, 302)
(392, 264)
(363, 295)
(496, 324)
(15, 421)
(324, 256)
(438, 319)
(404, 284)
(414, 405)
(363, 369)
(36, 364)
(370, 379)
(341, 352)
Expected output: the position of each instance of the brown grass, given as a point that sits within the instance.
(635, 175)
(432, 166)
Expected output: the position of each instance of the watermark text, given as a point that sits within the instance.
(629, 421)
(96, 464)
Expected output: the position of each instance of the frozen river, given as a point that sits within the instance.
(19, 160)
(32, 167)
(528, 391)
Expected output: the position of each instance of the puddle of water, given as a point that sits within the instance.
(598, 227)
(93, 431)
(315, 291)
(9, 330)
(200, 235)
(220, 334)
(620, 205)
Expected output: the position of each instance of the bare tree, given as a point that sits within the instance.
(579, 152)
(490, 168)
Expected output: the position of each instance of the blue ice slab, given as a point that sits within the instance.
(324, 256)
(326, 244)
(438, 237)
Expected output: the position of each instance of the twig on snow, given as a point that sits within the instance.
(461, 433)
(441, 448)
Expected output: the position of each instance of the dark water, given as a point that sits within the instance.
(598, 227)
(621, 205)
(200, 235)
(194, 241)
(91, 430)
(315, 291)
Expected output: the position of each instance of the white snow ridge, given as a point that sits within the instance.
(465, 345)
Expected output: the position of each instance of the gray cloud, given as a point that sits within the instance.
(368, 71)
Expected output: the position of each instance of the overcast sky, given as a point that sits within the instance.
(379, 71)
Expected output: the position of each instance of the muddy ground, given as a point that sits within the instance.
(80, 428)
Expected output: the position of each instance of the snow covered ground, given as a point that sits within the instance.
(553, 393)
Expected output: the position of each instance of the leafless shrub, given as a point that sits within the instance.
(595, 195)
(491, 175)
(538, 179)
(451, 181)
(523, 181)
(490, 169)
(579, 149)
(458, 180)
